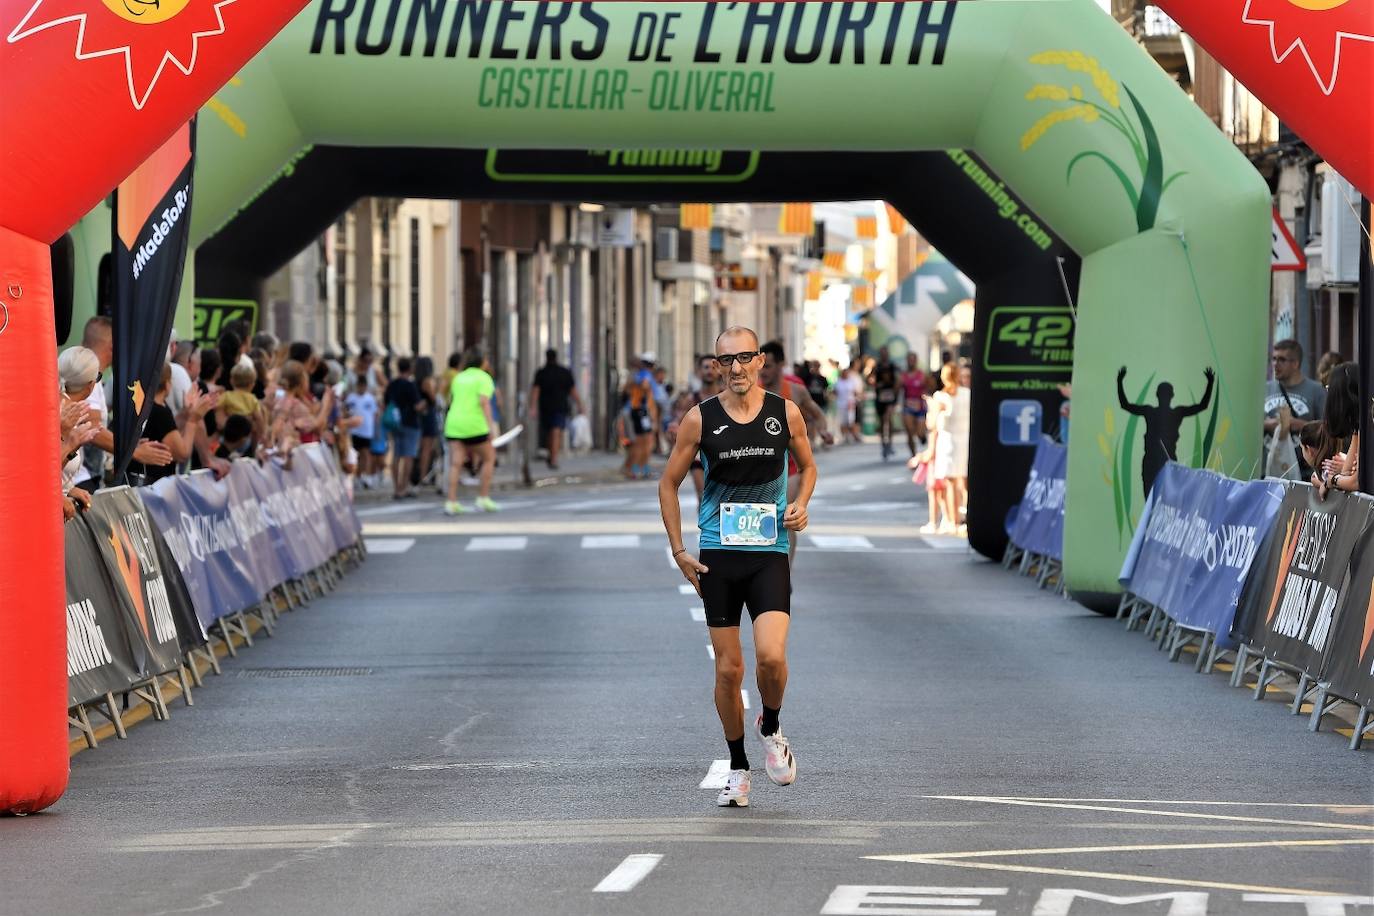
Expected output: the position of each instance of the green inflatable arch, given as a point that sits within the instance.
(1171, 221)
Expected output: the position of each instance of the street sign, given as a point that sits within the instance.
(1286, 253)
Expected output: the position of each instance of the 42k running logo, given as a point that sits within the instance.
(150, 35)
(1321, 31)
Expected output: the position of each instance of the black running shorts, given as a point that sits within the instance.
(759, 580)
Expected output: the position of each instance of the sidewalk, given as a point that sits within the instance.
(594, 467)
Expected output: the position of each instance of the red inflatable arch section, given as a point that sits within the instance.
(91, 89)
(1311, 61)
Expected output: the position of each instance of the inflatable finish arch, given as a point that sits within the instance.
(1170, 219)
(949, 195)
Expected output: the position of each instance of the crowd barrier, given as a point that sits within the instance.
(1262, 577)
(160, 578)
(1035, 527)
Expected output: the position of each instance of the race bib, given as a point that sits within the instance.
(887, 396)
(748, 524)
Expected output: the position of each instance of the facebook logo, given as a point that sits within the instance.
(1021, 422)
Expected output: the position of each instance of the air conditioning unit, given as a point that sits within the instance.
(1340, 260)
(665, 245)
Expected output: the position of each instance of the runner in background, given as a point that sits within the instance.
(914, 406)
(883, 378)
(773, 378)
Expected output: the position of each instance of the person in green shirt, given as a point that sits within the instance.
(469, 429)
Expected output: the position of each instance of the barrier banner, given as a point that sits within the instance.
(254, 527)
(308, 534)
(99, 658)
(1350, 663)
(189, 629)
(337, 506)
(283, 518)
(1290, 604)
(123, 534)
(1039, 525)
(193, 515)
(1196, 542)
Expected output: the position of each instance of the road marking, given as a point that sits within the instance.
(685, 588)
(744, 697)
(591, 504)
(996, 800)
(711, 652)
(627, 874)
(388, 545)
(857, 487)
(945, 543)
(1153, 847)
(1228, 804)
(388, 510)
(717, 776)
(1105, 875)
(855, 899)
(880, 507)
(609, 541)
(498, 543)
(672, 562)
(698, 614)
(841, 542)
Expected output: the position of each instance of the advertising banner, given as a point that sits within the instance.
(152, 230)
(1350, 662)
(338, 508)
(1039, 525)
(254, 528)
(123, 533)
(99, 658)
(1196, 542)
(1290, 604)
(194, 516)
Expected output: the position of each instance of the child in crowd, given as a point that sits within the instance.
(237, 439)
(240, 401)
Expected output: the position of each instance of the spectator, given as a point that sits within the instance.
(79, 372)
(403, 397)
(185, 361)
(230, 348)
(98, 337)
(1342, 422)
(297, 418)
(553, 392)
(1317, 446)
(1330, 360)
(238, 440)
(948, 449)
(428, 409)
(265, 342)
(1304, 398)
(361, 405)
(169, 429)
(240, 401)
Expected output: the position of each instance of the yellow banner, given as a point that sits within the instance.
(696, 216)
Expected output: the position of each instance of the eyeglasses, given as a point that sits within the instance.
(726, 360)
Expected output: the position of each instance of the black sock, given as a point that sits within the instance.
(738, 759)
(770, 721)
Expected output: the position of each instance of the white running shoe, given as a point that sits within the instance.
(736, 791)
(778, 760)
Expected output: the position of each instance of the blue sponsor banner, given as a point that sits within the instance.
(194, 516)
(1196, 543)
(338, 508)
(254, 525)
(1039, 524)
(284, 526)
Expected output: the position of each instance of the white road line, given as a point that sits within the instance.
(668, 552)
(857, 487)
(585, 504)
(698, 614)
(880, 507)
(841, 542)
(946, 543)
(685, 589)
(609, 541)
(387, 510)
(388, 545)
(498, 543)
(744, 695)
(711, 652)
(628, 873)
(717, 776)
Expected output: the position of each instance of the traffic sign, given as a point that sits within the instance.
(1286, 253)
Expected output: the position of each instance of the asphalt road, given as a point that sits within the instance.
(520, 710)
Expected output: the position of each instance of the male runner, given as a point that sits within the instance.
(774, 377)
(708, 374)
(884, 381)
(746, 521)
